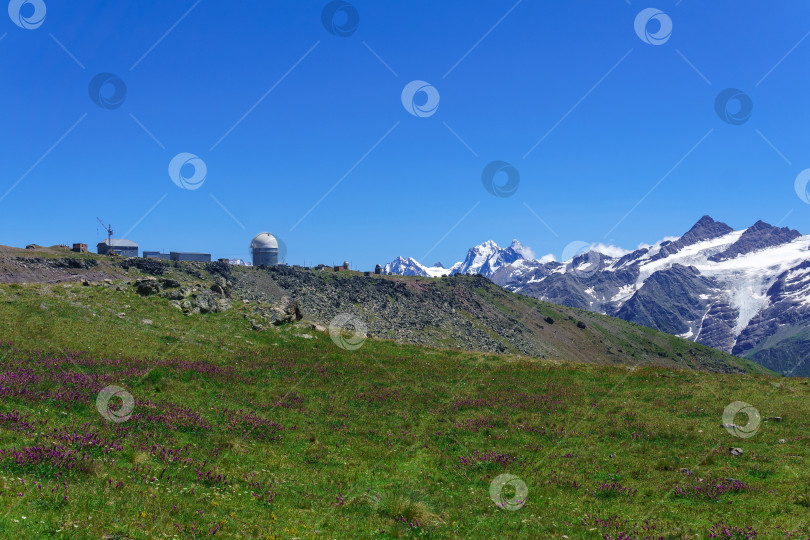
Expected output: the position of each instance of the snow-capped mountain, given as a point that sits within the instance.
(488, 258)
(485, 259)
(746, 292)
(411, 267)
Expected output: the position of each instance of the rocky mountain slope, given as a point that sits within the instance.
(745, 292)
(466, 312)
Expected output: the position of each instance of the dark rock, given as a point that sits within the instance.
(759, 236)
(219, 268)
(146, 287)
(154, 267)
(222, 286)
(79, 264)
(177, 294)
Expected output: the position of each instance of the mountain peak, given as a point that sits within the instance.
(704, 221)
(489, 244)
(706, 228)
(760, 225)
(785, 232)
(522, 250)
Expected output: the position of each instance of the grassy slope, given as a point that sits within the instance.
(366, 438)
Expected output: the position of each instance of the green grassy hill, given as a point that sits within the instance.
(280, 433)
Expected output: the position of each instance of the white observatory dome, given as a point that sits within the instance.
(264, 249)
(264, 240)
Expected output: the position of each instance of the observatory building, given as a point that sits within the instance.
(126, 248)
(264, 250)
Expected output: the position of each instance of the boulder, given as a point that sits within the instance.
(222, 286)
(286, 310)
(210, 302)
(177, 294)
(146, 287)
(317, 327)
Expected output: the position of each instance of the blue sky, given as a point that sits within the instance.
(616, 117)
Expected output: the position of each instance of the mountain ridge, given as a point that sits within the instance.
(714, 285)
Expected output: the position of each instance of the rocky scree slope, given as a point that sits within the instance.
(471, 312)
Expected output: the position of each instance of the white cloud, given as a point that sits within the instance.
(547, 258)
(610, 251)
(644, 245)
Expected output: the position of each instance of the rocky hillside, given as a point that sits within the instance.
(463, 312)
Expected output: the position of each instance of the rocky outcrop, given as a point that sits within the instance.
(222, 286)
(210, 302)
(286, 310)
(54, 263)
(150, 285)
(154, 267)
(717, 328)
(758, 236)
(192, 299)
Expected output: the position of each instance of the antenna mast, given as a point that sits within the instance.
(109, 230)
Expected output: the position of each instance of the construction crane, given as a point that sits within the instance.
(109, 230)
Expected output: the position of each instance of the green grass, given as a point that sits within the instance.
(371, 441)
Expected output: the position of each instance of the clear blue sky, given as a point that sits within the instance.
(520, 83)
